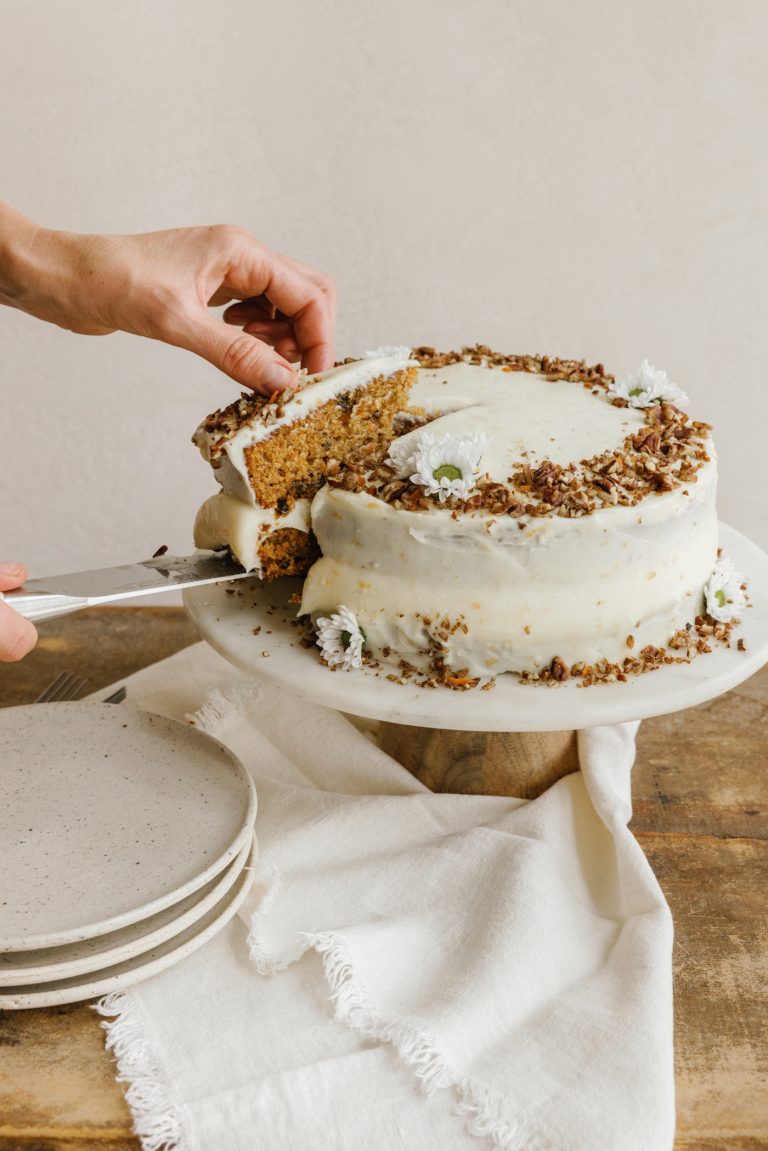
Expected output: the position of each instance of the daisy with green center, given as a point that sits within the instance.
(448, 467)
(645, 387)
(341, 639)
(723, 593)
(402, 453)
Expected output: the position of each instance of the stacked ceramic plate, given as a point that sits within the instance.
(126, 842)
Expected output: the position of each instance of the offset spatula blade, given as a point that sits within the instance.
(158, 574)
(57, 594)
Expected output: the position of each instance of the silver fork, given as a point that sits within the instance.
(68, 686)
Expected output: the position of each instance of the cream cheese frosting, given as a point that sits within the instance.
(529, 588)
(524, 416)
(578, 581)
(573, 588)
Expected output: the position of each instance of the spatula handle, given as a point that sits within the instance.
(42, 605)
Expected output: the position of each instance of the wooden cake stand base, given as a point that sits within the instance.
(522, 764)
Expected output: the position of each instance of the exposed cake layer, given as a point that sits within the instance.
(262, 540)
(272, 454)
(272, 451)
(355, 426)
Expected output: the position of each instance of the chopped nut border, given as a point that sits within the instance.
(665, 454)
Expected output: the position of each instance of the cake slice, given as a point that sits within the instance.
(272, 454)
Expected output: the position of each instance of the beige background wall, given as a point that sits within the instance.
(576, 178)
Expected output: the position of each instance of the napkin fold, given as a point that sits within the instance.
(411, 970)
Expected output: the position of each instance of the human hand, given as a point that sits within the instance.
(17, 635)
(161, 285)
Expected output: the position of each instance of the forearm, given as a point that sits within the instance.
(18, 266)
(52, 275)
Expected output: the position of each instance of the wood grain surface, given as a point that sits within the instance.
(524, 764)
(699, 792)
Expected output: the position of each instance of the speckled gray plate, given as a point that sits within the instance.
(111, 816)
(124, 975)
(69, 959)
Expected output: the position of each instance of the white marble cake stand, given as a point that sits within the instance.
(226, 616)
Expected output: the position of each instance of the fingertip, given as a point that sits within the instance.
(255, 365)
(12, 568)
(277, 375)
(12, 575)
(252, 308)
(237, 315)
(17, 635)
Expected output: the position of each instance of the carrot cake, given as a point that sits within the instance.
(471, 513)
(271, 455)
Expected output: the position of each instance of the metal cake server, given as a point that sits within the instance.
(59, 594)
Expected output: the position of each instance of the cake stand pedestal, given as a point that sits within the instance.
(522, 764)
(515, 740)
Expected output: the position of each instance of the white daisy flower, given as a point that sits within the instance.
(447, 467)
(722, 592)
(402, 453)
(645, 387)
(341, 639)
(390, 352)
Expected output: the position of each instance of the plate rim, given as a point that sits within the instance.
(68, 969)
(146, 910)
(102, 984)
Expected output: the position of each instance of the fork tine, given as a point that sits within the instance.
(73, 690)
(66, 686)
(62, 690)
(117, 696)
(71, 687)
(49, 693)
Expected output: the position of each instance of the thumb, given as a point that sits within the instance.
(245, 358)
(17, 635)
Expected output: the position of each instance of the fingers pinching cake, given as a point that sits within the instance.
(460, 515)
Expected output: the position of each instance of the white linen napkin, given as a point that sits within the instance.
(419, 971)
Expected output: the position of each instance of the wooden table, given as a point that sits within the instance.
(700, 816)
